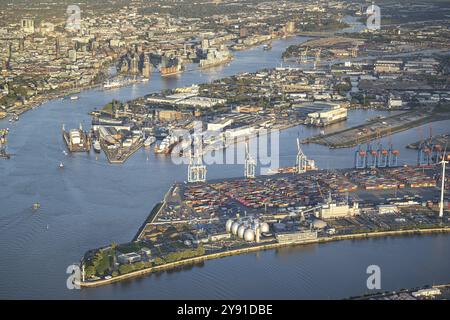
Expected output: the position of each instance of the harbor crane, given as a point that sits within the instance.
(317, 61)
(304, 56)
(250, 163)
(441, 203)
(196, 169)
(301, 162)
(355, 51)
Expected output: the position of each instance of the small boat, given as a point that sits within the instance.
(74, 97)
(61, 165)
(267, 47)
(36, 205)
(97, 146)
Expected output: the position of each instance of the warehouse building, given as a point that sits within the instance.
(337, 210)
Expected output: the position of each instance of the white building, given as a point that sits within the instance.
(334, 210)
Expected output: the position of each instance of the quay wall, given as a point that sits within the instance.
(269, 246)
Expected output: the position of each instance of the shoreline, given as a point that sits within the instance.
(269, 246)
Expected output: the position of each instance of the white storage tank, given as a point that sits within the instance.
(241, 230)
(228, 225)
(264, 227)
(249, 235)
(234, 228)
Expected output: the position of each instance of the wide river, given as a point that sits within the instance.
(91, 203)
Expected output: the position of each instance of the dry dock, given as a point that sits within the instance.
(77, 140)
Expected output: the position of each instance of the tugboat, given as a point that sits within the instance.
(97, 146)
(267, 47)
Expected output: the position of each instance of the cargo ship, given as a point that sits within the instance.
(76, 140)
(113, 84)
(166, 146)
(310, 166)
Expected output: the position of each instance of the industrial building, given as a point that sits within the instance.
(129, 258)
(322, 113)
(296, 237)
(385, 66)
(337, 210)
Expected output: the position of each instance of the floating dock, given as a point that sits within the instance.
(77, 140)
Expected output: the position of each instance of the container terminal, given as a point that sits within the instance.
(203, 220)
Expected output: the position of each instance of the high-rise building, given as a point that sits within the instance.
(57, 47)
(146, 67)
(205, 44)
(134, 64)
(243, 32)
(290, 27)
(124, 66)
(10, 54)
(73, 55)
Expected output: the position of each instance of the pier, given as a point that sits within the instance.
(376, 128)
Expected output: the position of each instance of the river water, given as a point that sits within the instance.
(91, 203)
